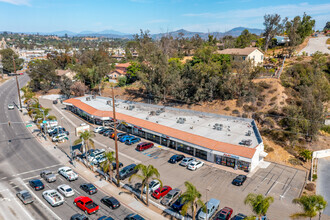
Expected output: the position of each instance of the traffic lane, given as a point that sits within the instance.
(323, 179)
(68, 208)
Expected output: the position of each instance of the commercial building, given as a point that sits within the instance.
(225, 140)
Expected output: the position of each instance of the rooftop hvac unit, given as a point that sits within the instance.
(158, 112)
(247, 142)
(152, 113)
(181, 120)
(218, 126)
(109, 102)
(131, 107)
(248, 133)
(88, 98)
(94, 96)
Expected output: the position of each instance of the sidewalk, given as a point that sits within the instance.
(122, 195)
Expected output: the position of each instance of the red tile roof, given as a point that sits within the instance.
(125, 65)
(168, 131)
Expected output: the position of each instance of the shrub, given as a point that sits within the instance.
(314, 177)
(244, 115)
(282, 103)
(294, 161)
(259, 103)
(235, 112)
(226, 109)
(249, 108)
(264, 85)
(272, 91)
(272, 103)
(262, 98)
(326, 128)
(269, 122)
(122, 81)
(310, 186)
(268, 149)
(273, 99)
(239, 102)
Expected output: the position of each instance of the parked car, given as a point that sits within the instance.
(212, 206)
(171, 196)
(133, 217)
(153, 185)
(119, 135)
(114, 165)
(132, 141)
(98, 159)
(239, 180)
(53, 129)
(194, 165)
(104, 130)
(53, 197)
(186, 161)
(125, 137)
(111, 202)
(65, 190)
(95, 153)
(127, 171)
(224, 214)
(58, 132)
(11, 107)
(105, 218)
(79, 217)
(86, 204)
(178, 204)
(60, 138)
(161, 192)
(36, 184)
(48, 176)
(107, 132)
(25, 197)
(176, 158)
(68, 173)
(239, 216)
(144, 146)
(98, 129)
(88, 188)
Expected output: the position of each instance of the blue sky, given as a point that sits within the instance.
(129, 16)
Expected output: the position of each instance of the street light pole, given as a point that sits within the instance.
(18, 90)
(115, 133)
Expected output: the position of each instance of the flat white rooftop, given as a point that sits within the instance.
(221, 128)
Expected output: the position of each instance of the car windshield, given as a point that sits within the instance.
(68, 190)
(169, 196)
(26, 195)
(222, 216)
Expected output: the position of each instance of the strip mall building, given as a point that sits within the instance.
(226, 140)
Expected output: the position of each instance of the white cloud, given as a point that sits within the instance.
(283, 10)
(17, 2)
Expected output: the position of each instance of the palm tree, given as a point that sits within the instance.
(259, 203)
(191, 198)
(107, 164)
(147, 174)
(306, 154)
(85, 138)
(311, 205)
(28, 95)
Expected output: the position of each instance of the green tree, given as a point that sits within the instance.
(7, 56)
(244, 40)
(28, 95)
(258, 203)
(273, 26)
(85, 138)
(191, 199)
(132, 71)
(146, 174)
(65, 86)
(311, 205)
(42, 74)
(327, 26)
(107, 164)
(306, 27)
(122, 81)
(306, 154)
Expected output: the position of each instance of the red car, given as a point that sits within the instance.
(224, 214)
(86, 204)
(160, 192)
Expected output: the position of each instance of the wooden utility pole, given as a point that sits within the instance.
(116, 141)
(18, 90)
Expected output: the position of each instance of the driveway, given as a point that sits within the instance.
(316, 44)
(323, 180)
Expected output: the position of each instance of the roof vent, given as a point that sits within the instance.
(246, 142)
(94, 97)
(88, 98)
(248, 133)
(131, 107)
(108, 102)
(218, 126)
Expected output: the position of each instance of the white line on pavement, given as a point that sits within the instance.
(37, 169)
(71, 122)
(53, 213)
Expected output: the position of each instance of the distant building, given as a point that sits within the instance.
(68, 73)
(3, 44)
(120, 70)
(281, 40)
(248, 53)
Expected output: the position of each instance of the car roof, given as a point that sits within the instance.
(213, 202)
(226, 209)
(24, 191)
(175, 190)
(65, 186)
(84, 198)
(36, 181)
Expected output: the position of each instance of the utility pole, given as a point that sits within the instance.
(18, 90)
(116, 143)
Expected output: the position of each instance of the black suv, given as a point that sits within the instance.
(88, 188)
(239, 180)
(127, 171)
(176, 158)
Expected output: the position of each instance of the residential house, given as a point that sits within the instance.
(120, 70)
(68, 73)
(253, 54)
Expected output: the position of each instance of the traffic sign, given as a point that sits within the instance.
(28, 126)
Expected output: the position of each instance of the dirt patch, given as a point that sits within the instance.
(50, 92)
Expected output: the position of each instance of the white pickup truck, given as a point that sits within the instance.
(53, 197)
(67, 173)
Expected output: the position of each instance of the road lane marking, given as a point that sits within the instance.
(31, 171)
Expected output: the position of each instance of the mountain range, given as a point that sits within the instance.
(116, 34)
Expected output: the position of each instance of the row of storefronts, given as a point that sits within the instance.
(201, 152)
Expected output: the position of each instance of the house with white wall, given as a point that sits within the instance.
(254, 54)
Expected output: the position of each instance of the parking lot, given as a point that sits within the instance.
(281, 182)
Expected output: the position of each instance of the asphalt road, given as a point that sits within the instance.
(22, 158)
(316, 44)
(323, 181)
